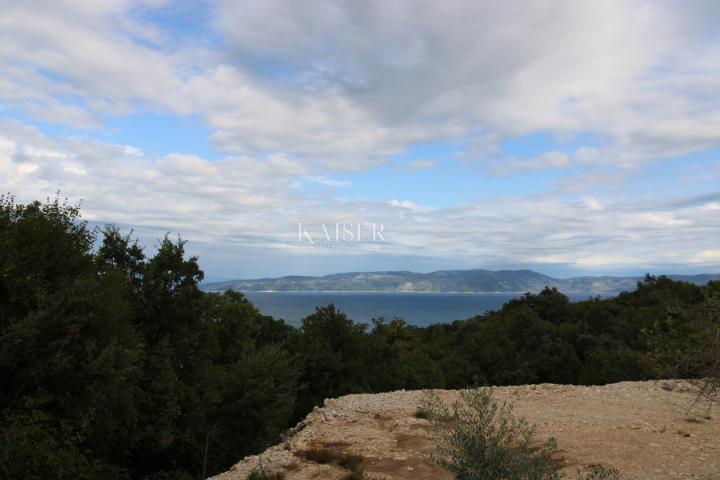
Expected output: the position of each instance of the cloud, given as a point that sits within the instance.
(118, 184)
(619, 69)
(407, 204)
(242, 204)
(552, 159)
(69, 56)
(326, 181)
(325, 127)
(344, 88)
(301, 93)
(420, 164)
(708, 256)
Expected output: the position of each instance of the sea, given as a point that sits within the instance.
(420, 309)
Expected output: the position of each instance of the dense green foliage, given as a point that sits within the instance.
(115, 365)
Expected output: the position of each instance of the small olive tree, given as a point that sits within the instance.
(477, 438)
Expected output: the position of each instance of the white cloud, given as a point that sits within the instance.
(365, 83)
(299, 92)
(552, 159)
(327, 181)
(420, 164)
(69, 58)
(407, 204)
(592, 202)
(249, 204)
(325, 127)
(619, 69)
(708, 256)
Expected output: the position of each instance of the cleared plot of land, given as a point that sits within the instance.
(641, 428)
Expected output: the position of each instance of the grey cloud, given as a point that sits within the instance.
(376, 77)
(619, 69)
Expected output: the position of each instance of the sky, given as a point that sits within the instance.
(567, 137)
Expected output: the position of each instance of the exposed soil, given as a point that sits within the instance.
(640, 428)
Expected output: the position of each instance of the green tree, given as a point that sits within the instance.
(69, 356)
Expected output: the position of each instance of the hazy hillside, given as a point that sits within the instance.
(442, 281)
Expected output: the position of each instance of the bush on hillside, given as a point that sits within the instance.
(477, 438)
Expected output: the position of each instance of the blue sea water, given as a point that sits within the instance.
(419, 309)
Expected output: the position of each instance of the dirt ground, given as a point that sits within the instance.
(640, 428)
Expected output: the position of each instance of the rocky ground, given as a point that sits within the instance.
(641, 428)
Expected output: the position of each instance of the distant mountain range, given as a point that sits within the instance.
(443, 281)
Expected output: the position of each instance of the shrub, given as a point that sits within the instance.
(686, 344)
(478, 438)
